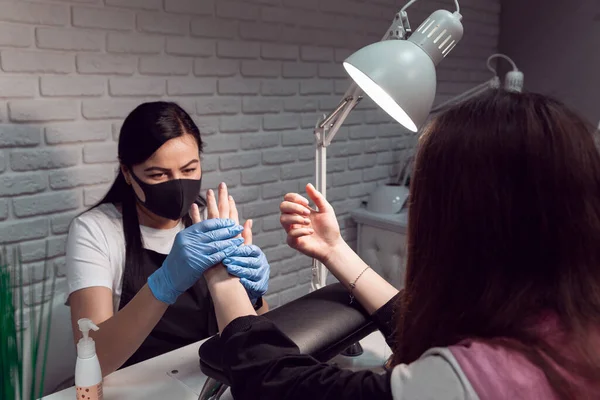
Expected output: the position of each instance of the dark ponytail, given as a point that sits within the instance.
(122, 193)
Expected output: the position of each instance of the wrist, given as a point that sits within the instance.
(218, 274)
(336, 253)
(221, 286)
(161, 287)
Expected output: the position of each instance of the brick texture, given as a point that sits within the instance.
(255, 75)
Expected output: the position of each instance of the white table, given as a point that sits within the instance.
(176, 375)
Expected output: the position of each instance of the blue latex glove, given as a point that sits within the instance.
(250, 264)
(196, 249)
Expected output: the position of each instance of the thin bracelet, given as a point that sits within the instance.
(353, 285)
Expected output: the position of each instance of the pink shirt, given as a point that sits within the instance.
(497, 372)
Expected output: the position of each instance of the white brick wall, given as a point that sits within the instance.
(255, 75)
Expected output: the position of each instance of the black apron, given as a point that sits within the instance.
(190, 319)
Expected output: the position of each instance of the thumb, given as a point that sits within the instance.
(318, 199)
(247, 233)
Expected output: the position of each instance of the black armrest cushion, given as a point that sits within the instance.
(321, 323)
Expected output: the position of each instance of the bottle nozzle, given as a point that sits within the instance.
(86, 347)
(85, 325)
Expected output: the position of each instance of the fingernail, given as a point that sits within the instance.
(222, 185)
(230, 197)
(251, 223)
(306, 221)
(210, 192)
(311, 231)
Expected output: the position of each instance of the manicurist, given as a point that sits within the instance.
(128, 257)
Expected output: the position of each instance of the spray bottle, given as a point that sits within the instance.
(88, 375)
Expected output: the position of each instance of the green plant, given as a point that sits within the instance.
(17, 380)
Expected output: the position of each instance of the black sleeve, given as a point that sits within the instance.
(263, 363)
(385, 319)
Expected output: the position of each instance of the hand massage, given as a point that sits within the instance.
(167, 286)
(451, 322)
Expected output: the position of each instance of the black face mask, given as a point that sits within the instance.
(171, 199)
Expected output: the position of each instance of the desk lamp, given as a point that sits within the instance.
(398, 74)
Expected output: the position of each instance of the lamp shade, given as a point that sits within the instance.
(399, 75)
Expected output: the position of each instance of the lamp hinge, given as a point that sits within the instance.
(400, 28)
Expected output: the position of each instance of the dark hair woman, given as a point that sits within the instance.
(124, 255)
(502, 291)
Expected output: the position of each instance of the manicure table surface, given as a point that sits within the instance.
(177, 375)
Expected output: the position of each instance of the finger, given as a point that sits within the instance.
(287, 220)
(287, 207)
(222, 246)
(211, 225)
(233, 211)
(212, 210)
(299, 232)
(218, 257)
(195, 213)
(296, 198)
(247, 263)
(223, 201)
(318, 199)
(219, 234)
(247, 251)
(247, 233)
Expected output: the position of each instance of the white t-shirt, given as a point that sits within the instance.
(96, 249)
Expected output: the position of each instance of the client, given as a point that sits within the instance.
(502, 291)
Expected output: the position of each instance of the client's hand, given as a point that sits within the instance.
(314, 233)
(248, 262)
(225, 208)
(196, 249)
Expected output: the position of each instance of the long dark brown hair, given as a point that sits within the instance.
(504, 225)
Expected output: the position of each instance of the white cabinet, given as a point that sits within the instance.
(382, 243)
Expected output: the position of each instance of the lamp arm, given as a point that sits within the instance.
(477, 90)
(325, 131)
(332, 123)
